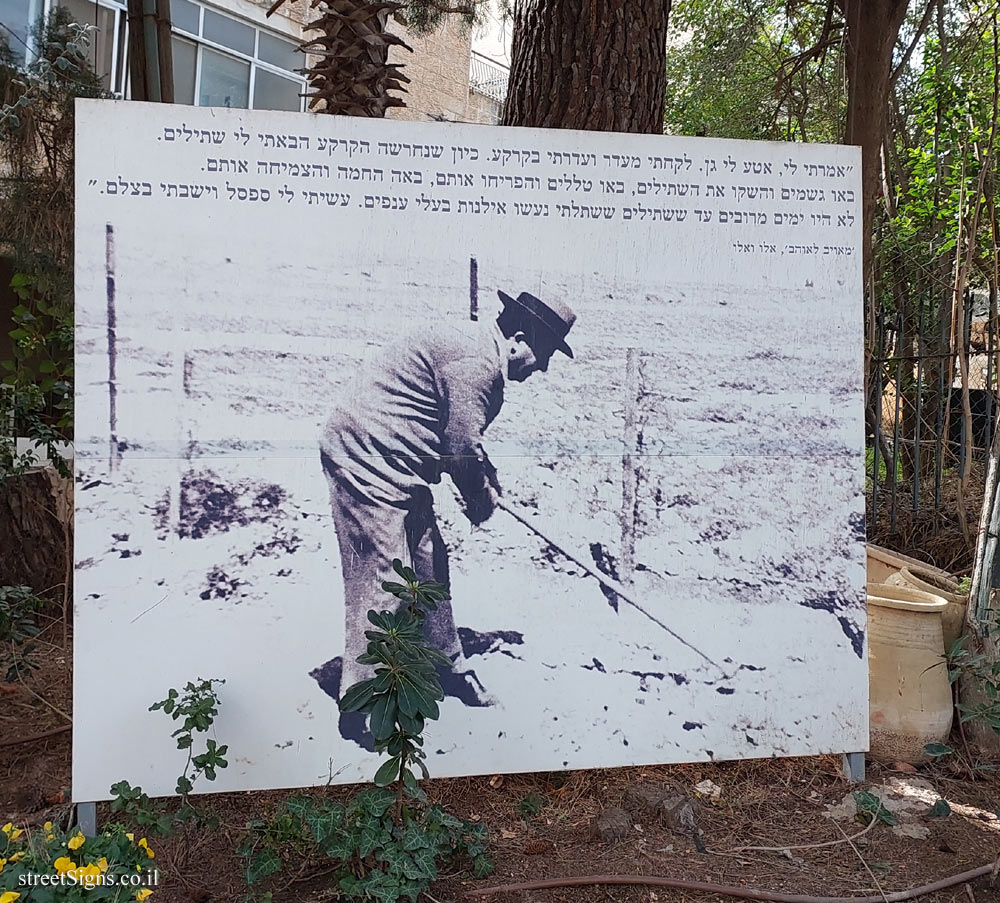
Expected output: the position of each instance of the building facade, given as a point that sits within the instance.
(229, 53)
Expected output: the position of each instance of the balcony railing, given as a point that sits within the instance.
(488, 77)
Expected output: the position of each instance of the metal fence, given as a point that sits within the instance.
(917, 421)
(488, 77)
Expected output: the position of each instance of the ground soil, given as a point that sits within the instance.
(769, 803)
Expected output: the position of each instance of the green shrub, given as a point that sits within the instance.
(18, 607)
(197, 705)
(375, 856)
(386, 845)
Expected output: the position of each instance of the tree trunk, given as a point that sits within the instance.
(36, 517)
(872, 29)
(588, 64)
(351, 74)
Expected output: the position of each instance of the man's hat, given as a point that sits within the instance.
(555, 316)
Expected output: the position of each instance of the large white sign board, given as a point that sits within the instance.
(241, 277)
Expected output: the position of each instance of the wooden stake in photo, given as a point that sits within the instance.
(114, 453)
(626, 568)
(473, 289)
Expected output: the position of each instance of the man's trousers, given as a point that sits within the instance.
(371, 534)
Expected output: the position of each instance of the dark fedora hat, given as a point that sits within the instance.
(555, 316)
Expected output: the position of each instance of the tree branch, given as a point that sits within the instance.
(921, 28)
(52, 732)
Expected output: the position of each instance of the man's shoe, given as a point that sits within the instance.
(465, 687)
(353, 725)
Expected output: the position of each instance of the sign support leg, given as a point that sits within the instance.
(86, 818)
(854, 767)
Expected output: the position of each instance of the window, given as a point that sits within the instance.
(218, 59)
(106, 52)
(221, 61)
(16, 16)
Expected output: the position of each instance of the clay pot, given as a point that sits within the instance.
(883, 563)
(909, 701)
(943, 585)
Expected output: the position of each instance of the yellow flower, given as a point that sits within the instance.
(9, 896)
(145, 846)
(102, 864)
(16, 856)
(12, 832)
(140, 895)
(131, 837)
(86, 875)
(47, 827)
(3, 862)
(49, 837)
(64, 864)
(76, 841)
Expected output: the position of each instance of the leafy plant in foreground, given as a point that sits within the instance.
(376, 857)
(385, 844)
(406, 689)
(977, 667)
(36, 209)
(870, 808)
(18, 607)
(532, 805)
(198, 706)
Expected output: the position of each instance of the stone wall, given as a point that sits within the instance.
(483, 109)
(438, 70)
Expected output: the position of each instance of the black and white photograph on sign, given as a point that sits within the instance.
(605, 389)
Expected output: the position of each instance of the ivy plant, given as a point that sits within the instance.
(375, 857)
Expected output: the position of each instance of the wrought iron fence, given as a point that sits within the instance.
(918, 424)
(488, 77)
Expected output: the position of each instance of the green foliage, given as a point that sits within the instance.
(36, 213)
(870, 807)
(940, 809)
(114, 857)
(738, 69)
(978, 669)
(941, 118)
(374, 856)
(532, 805)
(938, 750)
(405, 691)
(18, 608)
(38, 379)
(131, 803)
(423, 16)
(384, 845)
(883, 470)
(196, 707)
